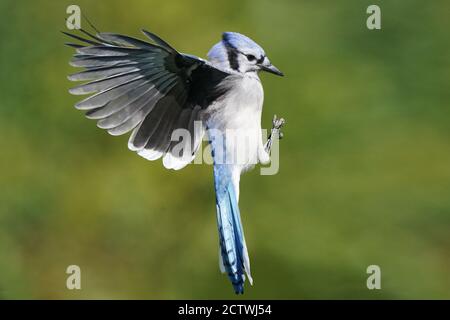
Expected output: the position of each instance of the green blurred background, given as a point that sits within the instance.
(364, 175)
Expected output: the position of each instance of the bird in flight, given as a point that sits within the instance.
(153, 91)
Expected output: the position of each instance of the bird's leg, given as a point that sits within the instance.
(275, 132)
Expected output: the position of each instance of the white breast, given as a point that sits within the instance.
(238, 117)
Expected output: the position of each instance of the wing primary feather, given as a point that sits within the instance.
(102, 72)
(111, 51)
(149, 126)
(99, 61)
(124, 114)
(81, 38)
(124, 100)
(161, 139)
(180, 160)
(95, 37)
(103, 84)
(117, 104)
(196, 131)
(182, 123)
(159, 41)
(139, 86)
(130, 41)
(74, 45)
(139, 115)
(103, 97)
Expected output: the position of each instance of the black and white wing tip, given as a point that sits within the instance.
(147, 88)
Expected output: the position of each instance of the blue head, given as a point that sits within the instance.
(240, 53)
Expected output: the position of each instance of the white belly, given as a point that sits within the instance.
(238, 117)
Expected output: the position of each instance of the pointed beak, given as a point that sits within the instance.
(272, 69)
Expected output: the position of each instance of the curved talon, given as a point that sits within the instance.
(277, 124)
(276, 128)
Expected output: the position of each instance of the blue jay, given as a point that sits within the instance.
(151, 89)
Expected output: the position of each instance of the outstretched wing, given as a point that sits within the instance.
(147, 88)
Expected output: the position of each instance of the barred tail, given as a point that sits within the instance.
(233, 250)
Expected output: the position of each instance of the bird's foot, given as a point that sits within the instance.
(277, 123)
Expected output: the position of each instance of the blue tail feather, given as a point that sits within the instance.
(231, 237)
(233, 250)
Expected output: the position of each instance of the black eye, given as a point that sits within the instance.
(250, 57)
